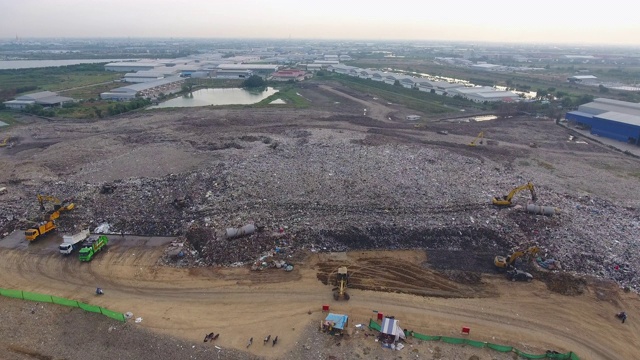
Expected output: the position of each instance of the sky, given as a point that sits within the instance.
(539, 21)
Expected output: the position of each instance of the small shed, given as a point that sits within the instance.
(413, 117)
(335, 323)
(390, 330)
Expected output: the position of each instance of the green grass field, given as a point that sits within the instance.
(7, 117)
(57, 79)
(288, 93)
(425, 102)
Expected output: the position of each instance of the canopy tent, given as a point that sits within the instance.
(338, 321)
(392, 327)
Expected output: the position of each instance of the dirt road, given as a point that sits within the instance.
(370, 108)
(187, 303)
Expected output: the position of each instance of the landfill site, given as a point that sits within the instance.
(235, 221)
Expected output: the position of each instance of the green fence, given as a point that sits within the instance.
(25, 295)
(480, 344)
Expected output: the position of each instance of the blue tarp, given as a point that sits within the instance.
(339, 320)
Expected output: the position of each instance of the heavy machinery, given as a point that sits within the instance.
(479, 137)
(73, 242)
(342, 281)
(3, 143)
(506, 200)
(507, 262)
(47, 224)
(42, 228)
(92, 247)
(58, 206)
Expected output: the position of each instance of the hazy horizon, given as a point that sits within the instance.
(490, 21)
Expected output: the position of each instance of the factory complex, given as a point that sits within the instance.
(477, 94)
(614, 119)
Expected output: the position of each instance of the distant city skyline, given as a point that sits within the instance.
(543, 21)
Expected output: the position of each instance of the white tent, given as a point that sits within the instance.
(392, 327)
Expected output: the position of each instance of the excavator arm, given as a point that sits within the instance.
(505, 262)
(479, 137)
(506, 200)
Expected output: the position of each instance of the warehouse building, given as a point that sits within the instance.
(619, 120)
(232, 74)
(263, 70)
(42, 98)
(143, 76)
(151, 89)
(130, 66)
(289, 74)
(582, 79)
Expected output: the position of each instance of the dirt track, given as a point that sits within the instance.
(188, 303)
(403, 186)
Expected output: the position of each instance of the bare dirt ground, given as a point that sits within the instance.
(332, 179)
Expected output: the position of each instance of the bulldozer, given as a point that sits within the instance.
(342, 281)
(506, 200)
(507, 262)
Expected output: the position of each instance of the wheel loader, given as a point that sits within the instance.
(342, 281)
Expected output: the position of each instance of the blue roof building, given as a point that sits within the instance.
(619, 120)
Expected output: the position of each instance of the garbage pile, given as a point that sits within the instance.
(204, 246)
(332, 193)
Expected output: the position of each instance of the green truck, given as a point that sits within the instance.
(93, 246)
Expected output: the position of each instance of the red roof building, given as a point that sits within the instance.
(290, 74)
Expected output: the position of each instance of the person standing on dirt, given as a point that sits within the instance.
(622, 316)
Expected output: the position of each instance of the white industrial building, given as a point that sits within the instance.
(493, 96)
(232, 74)
(168, 85)
(131, 66)
(257, 69)
(583, 79)
(366, 73)
(488, 67)
(326, 62)
(42, 98)
(315, 67)
(344, 69)
(426, 85)
(443, 87)
(483, 93)
(143, 76)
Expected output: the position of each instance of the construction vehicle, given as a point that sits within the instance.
(42, 228)
(3, 143)
(479, 137)
(47, 224)
(506, 200)
(73, 242)
(58, 206)
(92, 247)
(342, 281)
(507, 262)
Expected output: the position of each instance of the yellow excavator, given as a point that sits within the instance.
(47, 224)
(479, 137)
(3, 143)
(342, 281)
(506, 200)
(506, 262)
